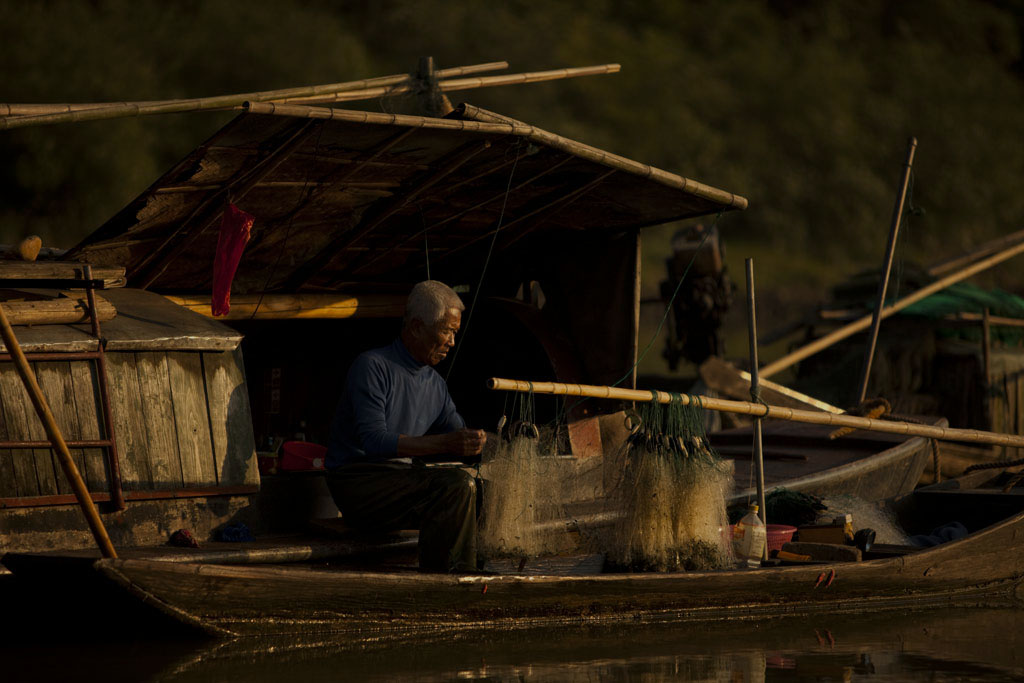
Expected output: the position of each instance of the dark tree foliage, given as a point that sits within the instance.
(804, 107)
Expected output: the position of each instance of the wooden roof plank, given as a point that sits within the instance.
(304, 227)
(212, 208)
(406, 238)
(145, 321)
(112, 276)
(550, 204)
(308, 270)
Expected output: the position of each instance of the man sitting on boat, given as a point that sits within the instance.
(395, 409)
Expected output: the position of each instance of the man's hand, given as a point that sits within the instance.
(462, 443)
(466, 442)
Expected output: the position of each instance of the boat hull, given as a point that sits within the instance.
(803, 458)
(984, 568)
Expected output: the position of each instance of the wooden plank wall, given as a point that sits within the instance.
(1006, 405)
(181, 418)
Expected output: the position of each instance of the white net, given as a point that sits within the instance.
(512, 499)
(662, 505)
(672, 517)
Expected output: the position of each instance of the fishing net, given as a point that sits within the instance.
(522, 482)
(671, 494)
(782, 506)
(867, 515)
(965, 297)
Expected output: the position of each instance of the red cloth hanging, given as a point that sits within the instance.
(234, 235)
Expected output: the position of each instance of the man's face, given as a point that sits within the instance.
(437, 340)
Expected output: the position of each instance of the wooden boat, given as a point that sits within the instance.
(249, 599)
(801, 457)
(185, 422)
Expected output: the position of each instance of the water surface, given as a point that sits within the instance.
(938, 646)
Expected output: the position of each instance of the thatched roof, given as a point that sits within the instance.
(344, 199)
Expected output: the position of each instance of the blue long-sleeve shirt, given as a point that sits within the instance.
(387, 393)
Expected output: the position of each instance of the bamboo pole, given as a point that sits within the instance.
(299, 306)
(458, 84)
(638, 262)
(883, 282)
(730, 200)
(994, 320)
(862, 323)
(991, 247)
(757, 452)
(490, 123)
(760, 410)
(28, 378)
(112, 110)
(986, 367)
(354, 91)
(729, 380)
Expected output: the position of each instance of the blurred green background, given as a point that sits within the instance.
(804, 107)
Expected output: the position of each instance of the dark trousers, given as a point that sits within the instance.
(439, 501)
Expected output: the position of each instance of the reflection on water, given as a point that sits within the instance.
(971, 645)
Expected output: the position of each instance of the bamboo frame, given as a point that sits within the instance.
(863, 322)
(615, 161)
(459, 84)
(23, 115)
(760, 410)
(36, 114)
(500, 126)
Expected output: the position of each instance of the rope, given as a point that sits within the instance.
(1014, 480)
(426, 242)
(995, 465)
(755, 396)
(901, 250)
(668, 309)
(864, 408)
(303, 196)
(487, 261)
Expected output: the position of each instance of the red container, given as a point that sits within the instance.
(302, 456)
(779, 535)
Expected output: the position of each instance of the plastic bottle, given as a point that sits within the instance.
(748, 539)
(845, 521)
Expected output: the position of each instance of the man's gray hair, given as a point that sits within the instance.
(429, 301)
